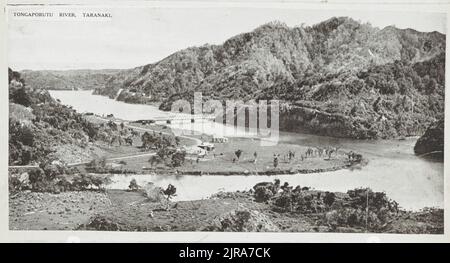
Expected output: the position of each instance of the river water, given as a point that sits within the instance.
(392, 166)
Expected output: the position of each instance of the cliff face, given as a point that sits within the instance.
(432, 142)
(383, 82)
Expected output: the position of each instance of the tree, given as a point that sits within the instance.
(97, 164)
(25, 134)
(170, 191)
(52, 168)
(20, 96)
(178, 158)
(146, 139)
(36, 177)
(238, 153)
(329, 198)
(263, 193)
(431, 86)
(133, 185)
(155, 159)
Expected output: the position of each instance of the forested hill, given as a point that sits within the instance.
(66, 79)
(338, 77)
(41, 129)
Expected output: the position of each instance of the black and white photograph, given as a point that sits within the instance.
(225, 118)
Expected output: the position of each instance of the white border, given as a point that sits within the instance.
(93, 236)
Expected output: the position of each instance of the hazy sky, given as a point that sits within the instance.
(134, 36)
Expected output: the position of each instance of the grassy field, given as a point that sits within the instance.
(221, 158)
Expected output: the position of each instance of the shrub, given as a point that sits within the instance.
(178, 158)
(329, 198)
(133, 185)
(263, 194)
(285, 202)
(14, 184)
(170, 191)
(97, 165)
(101, 224)
(52, 168)
(154, 193)
(351, 217)
(20, 96)
(37, 179)
(99, 181)
(170, 156)
(82, 182)
(63, 184)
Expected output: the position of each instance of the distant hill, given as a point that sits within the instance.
(339, 77)
(66, 79)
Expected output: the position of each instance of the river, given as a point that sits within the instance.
(392, 166)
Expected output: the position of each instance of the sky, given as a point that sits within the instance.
(139, 36)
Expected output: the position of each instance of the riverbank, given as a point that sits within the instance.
(254, 158)
(392, 166)
(119, 210)
(258, 159)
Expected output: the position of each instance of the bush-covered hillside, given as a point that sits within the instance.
(348, 79)
(38, 125)
(66, 79)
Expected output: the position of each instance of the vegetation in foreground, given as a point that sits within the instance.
(268, 207)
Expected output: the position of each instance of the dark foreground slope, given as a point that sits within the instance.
(339, 77)
(288, 211)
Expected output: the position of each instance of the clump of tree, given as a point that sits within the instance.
(360, 208)
(97, 165)
(21, 143)
(82, 182)
(170, 191)
(264, 191)
(100, 165)
(157, 140)
(169, 156)
(55, 177)
(15, 184)
(133, 185)
(167, 152)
